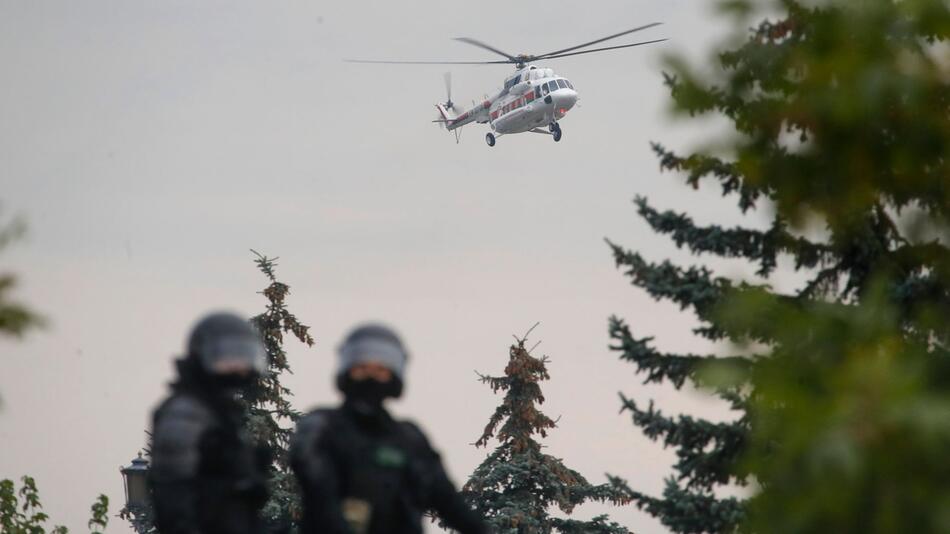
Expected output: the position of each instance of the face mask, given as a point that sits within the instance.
(369, 392)
(233, 382)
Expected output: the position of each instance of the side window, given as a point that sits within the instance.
(537, 91)
(545, 89)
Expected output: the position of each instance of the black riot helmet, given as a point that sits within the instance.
(372, 343)
(227, 349)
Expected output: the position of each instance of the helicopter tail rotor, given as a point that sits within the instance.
(447, 111)
(445, 116)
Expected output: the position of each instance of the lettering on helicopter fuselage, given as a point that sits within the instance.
(513, 105)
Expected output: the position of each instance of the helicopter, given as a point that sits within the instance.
(533, 99)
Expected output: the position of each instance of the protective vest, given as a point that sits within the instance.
(206, 476)
(369, 474)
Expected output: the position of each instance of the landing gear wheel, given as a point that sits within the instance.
(556, 134)
(490, 139)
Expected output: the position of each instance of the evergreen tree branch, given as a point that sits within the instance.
(662, 366)
(763, 247)
(706, 452)
(686, 511)
(695, 288)
(698, 166)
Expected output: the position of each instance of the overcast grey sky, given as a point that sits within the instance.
(149, 145)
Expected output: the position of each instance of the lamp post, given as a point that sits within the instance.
(138, 507)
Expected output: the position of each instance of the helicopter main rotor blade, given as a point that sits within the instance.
(609, 37)
(448, 85)
(475, 42)
(427, 62)
(606, 48)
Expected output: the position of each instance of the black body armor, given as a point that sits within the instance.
(206, 476)
(362, 472)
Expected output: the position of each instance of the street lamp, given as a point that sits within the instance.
(137, 503)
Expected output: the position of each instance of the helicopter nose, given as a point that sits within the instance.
(571, 97)
(565, 100)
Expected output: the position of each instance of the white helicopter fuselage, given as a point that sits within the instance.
(531, 99)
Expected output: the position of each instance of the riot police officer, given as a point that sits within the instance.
(206, 477)
(361, 471)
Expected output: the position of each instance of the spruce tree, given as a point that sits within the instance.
(841, 112)
(516, 485)
(270, 414)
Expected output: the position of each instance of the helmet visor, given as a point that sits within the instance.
(234, 355)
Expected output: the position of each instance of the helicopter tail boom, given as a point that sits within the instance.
(451, 120)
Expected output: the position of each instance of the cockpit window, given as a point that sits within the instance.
(569, 84)
(562, 84)
(552, 85)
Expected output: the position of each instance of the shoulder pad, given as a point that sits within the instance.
(414, 434)
(185, 406)
(314, 423)
(308, 459)
(178, 428)
(310, 428)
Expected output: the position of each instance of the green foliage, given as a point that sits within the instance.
(851, 418)
(15, 318)
(100, 515)
(141, 518)
(27, 517)
(270, 412)
(841, 116)
(517, 484)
